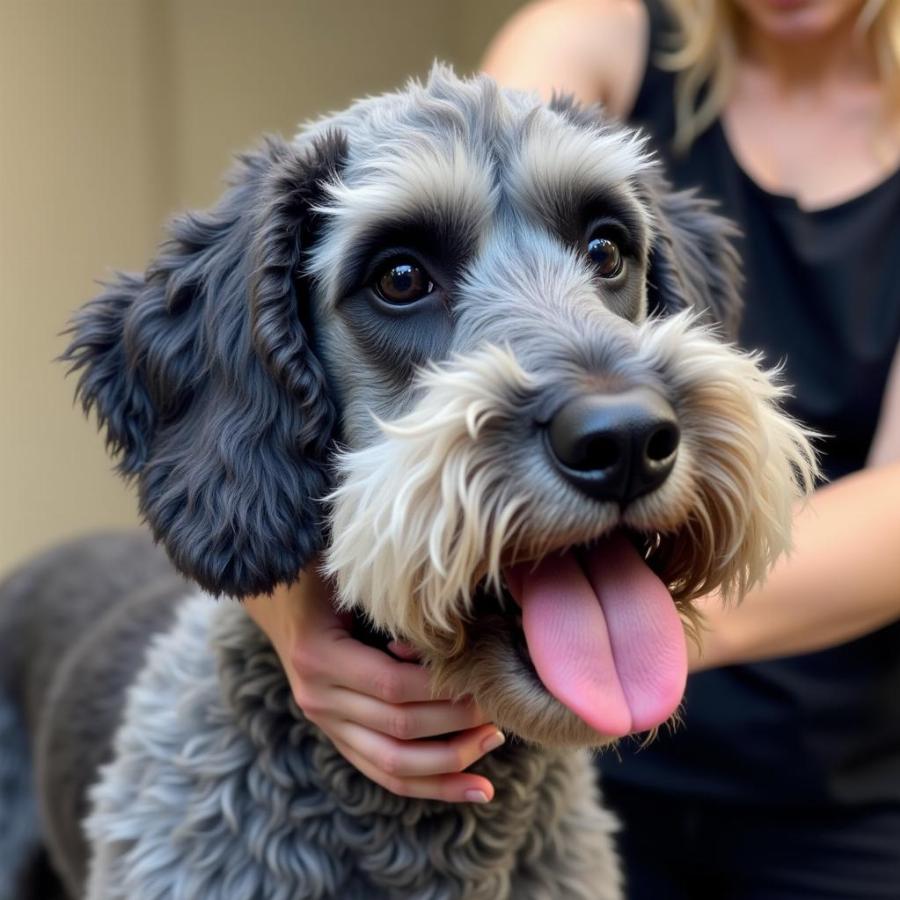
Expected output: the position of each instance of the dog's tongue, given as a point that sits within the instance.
(607, 643)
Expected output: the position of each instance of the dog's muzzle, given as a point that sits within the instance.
(537, 533)
(615, 447)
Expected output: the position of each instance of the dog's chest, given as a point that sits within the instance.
(221, 789)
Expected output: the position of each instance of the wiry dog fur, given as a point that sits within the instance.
(271, 405)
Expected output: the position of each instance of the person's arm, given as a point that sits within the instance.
(595, 50)
(843, 578)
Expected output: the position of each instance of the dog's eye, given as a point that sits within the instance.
(402, 281)
(606, 255)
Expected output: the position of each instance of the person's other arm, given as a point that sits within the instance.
(595, 50)
(843, 578)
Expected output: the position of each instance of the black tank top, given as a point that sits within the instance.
(823, 296)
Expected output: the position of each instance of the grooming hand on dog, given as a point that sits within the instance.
(373, 707)
(465, 353)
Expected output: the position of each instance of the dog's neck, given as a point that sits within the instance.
(532, 784)
(244, 782)
(253, 680)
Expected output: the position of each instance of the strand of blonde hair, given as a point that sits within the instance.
(704, 51)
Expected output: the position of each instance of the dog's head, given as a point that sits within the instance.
(462, 342)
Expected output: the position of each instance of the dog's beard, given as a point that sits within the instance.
(437, 512)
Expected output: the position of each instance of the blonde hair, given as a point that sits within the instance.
(704, 54)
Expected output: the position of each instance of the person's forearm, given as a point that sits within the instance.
(841, 581)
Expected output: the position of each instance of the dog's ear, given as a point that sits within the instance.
(693, 260)
(203, 376)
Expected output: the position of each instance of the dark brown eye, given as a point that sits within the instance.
(606, 254)
(403, 281)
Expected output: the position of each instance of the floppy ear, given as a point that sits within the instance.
(204, 379)
(693, 261)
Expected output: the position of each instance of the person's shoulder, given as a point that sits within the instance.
(594, 49)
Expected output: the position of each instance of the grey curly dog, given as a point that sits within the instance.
(469, 351)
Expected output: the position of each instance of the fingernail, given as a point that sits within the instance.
(476, 796)
(493, 741)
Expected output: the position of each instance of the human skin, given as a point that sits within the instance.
(803, 83)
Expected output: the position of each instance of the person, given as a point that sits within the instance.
(783, 780)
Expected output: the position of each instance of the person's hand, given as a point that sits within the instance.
(378, 711)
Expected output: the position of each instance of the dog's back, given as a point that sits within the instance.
(74, 625)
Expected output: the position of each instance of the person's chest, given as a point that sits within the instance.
(822, 146)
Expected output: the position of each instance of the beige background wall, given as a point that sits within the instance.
(116, 113)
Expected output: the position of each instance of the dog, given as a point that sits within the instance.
(471, 352)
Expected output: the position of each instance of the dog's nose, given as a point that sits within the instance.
(615, 446)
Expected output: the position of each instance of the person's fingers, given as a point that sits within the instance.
(405, 759)
(403, 650)
(461, 787)
(405, 721)
(348, 663)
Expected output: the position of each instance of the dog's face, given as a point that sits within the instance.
(434, 311)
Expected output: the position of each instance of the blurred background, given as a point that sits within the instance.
(118, 113)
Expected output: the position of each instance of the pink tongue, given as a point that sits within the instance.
(608, 643)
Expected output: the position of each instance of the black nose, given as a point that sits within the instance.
(615, 446)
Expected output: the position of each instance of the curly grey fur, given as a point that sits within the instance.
(74, 625)
(221, 790)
